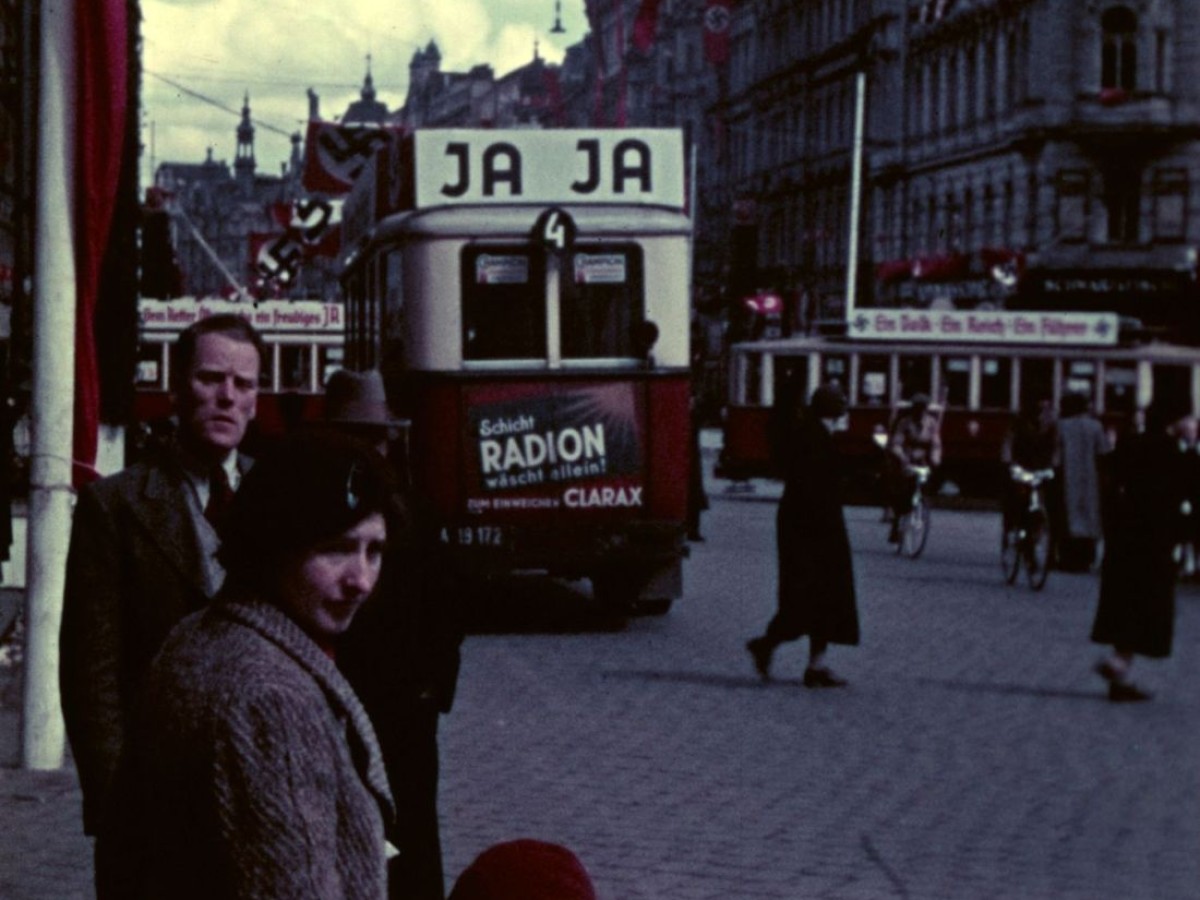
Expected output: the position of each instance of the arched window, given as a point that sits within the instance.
(1118, 53)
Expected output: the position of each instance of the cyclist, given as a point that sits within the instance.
(1031, 445)
(915, 440)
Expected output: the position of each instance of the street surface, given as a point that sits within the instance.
(973, 755)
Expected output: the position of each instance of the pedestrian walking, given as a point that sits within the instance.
(144, 543)
(816, 572)
(1136, 611)
(1082, 446)
(250, 767)
(401, 654)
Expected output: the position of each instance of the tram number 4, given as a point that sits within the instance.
(555, 229)
(474, 535)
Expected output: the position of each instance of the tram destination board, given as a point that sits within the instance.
(627, 166)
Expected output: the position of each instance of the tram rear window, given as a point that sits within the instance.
(504, 307)
(601, 303)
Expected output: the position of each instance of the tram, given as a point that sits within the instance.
(304, 343)
(526, 295)
(977, 367)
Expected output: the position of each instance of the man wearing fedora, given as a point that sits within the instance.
(401, 654)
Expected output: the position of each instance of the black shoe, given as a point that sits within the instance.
(695, 537)
(894, 535)
(822, 678)
(1126, 692)
(1106, 670)
(761, 651)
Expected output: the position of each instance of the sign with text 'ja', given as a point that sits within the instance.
(464, 166)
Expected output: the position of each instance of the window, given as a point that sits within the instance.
(835, 370)
(916, 376)
(995, 383)
(504, 306)
(956, 380)
(1120, 387)
(1079, 377)
(1118, 52)
(1122, 202)
(873, 381)
(601, 303)
(295, 367)
(149, 365)
(1072, 205)
(1170, 204)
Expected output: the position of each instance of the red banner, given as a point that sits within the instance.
(717, 21)
(335, 155)
(645, 26)
(102, 65)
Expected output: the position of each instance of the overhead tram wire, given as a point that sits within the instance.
(218, 104)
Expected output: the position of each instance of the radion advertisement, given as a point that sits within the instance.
(555, 448)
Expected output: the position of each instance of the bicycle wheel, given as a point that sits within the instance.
(1036, 550)
(1010, 554)
(914, 530)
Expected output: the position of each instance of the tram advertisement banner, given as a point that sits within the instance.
(549, 447)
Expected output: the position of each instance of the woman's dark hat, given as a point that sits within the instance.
(828, 402)
(310, 487)
(358, 398)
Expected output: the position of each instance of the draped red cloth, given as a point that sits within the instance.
(101, 99)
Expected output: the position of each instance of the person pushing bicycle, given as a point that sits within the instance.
(915, 440)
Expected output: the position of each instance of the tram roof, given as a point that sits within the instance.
(592, 221)
(1156, 351)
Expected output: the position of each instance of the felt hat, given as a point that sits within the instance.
(358, 398)
(524, 869)
(828, 402)
(309, 487)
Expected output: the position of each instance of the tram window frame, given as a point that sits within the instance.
(791, 372)
(526, 298)
(838, 375)
(295, 359)
(149, 373)
(588, 328)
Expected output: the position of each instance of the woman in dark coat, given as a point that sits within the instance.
(1136, 612)
(252, 770)
(816, 572)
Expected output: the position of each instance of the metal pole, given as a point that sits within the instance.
(50, 493)
(856, 166)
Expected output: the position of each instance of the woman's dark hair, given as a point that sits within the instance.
(233, 326)
(307, 489)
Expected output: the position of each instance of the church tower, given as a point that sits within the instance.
(244, 165)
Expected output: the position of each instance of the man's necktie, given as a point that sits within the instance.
(220, 496)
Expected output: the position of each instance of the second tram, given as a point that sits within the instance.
(978, 388)
(526, 295)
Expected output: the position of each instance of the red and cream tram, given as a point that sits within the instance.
(976, 366)
(526, 294)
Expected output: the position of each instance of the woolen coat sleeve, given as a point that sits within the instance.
(278, 784)
(90, 653)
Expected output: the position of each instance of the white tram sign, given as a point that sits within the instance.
(627, 166)
(984, 326)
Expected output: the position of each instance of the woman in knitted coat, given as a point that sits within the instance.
(252, 770)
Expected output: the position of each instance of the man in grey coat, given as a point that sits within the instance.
(143, 547)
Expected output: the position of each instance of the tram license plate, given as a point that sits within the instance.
(474, 535)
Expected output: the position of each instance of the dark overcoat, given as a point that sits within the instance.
(250, 770)
(1136, 611)
(134, 569)
(816, 572)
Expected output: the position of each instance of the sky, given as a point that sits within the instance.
(274, 50)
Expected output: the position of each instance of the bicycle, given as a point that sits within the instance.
(1027, 540)
(914, 524)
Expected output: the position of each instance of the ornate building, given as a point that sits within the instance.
(1018, 153)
